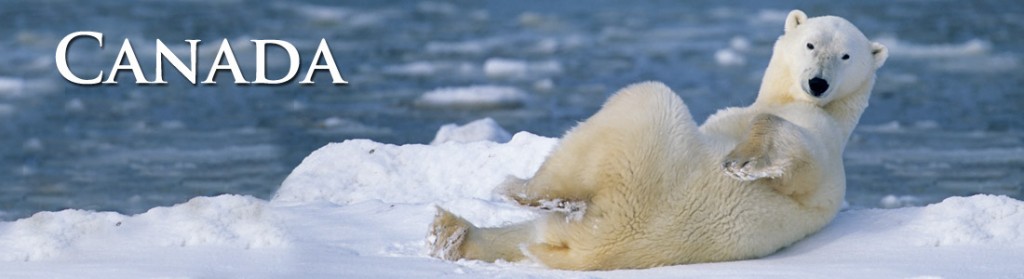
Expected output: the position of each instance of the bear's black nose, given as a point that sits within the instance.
(818, 86)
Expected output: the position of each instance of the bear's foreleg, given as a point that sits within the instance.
(770, 149)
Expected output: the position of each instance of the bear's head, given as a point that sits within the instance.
(828, 57)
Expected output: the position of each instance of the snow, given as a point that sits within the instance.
(477, 96)
(353, 171)
(225, 222)
(360, 209)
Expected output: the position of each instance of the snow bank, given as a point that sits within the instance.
(47, 234)
(955, 223)
(361, 170)
(360, 209)
(224, 221)
(962, 222)
(479, 96)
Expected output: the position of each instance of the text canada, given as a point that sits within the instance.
(223, 61)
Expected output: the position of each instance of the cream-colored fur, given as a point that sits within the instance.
(639, 184)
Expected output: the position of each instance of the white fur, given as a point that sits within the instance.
(659, 190)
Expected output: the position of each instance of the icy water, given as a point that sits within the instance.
(945, 118)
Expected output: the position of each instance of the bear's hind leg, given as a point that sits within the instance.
(558, 257)
(452, 238)
(447, 234)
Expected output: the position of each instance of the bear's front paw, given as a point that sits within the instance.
(750, 168)
(573, 210)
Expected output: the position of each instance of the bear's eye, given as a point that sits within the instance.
(810, 46)
(846, 56)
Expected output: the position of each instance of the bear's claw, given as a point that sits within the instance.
(750, 169)
(573, 210)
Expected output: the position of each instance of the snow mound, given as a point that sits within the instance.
(961, 221)
(223, 221)
(479, 130)
(47, 234)
(478, 96)
(228, 220)
(362, 170)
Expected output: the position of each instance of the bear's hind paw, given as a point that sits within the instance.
(447, 233)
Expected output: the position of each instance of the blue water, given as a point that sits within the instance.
(945, 118)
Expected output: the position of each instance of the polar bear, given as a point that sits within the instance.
(639, 184)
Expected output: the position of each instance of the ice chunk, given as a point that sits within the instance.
(729, 57)
(509, 68)
(904, 49)
(478, 96)
(892, 201)
(479, 130)
(11, 87)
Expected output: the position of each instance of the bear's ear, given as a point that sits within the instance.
(795, 17)
(880, 53)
